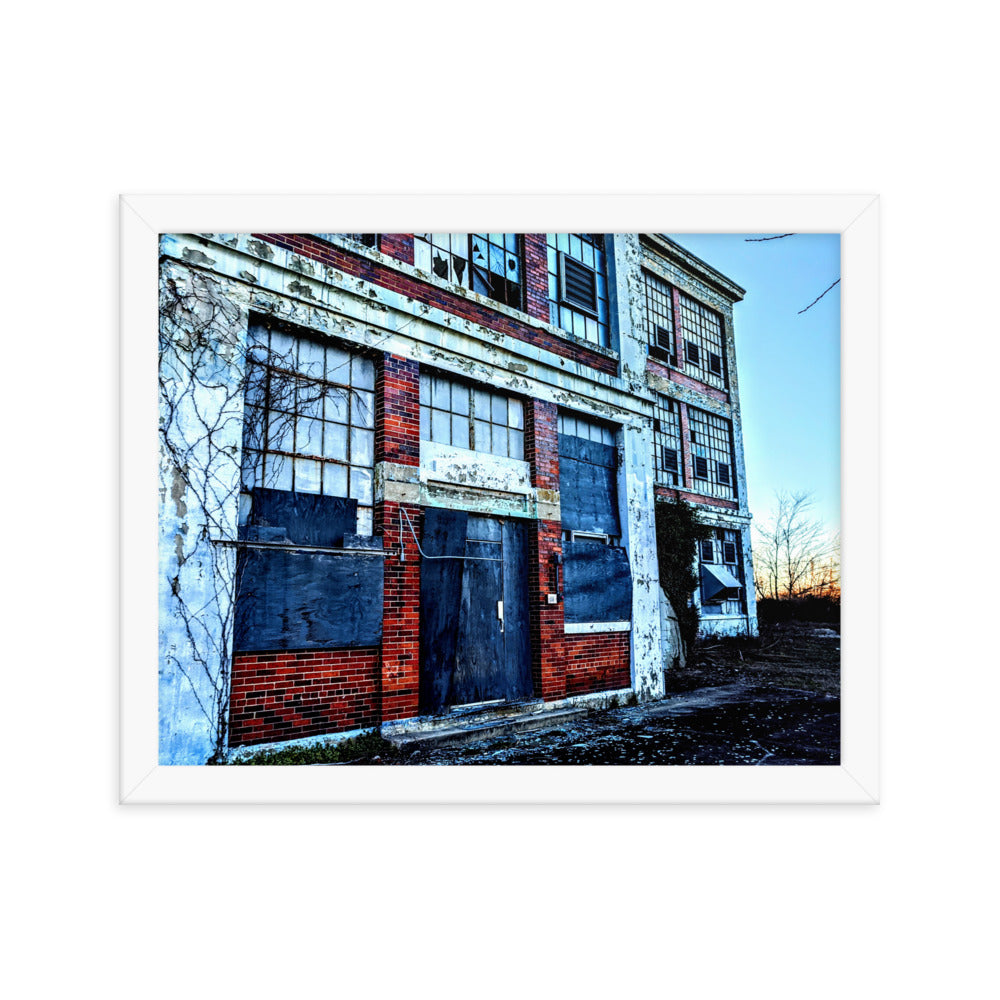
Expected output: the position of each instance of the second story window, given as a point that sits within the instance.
(465, 416)
(578, 285)
(660, 319)
(486, 263)
(704, 354)
(667, 440)
(712, 454)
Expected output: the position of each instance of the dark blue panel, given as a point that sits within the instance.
(307, 518)
(307, 600)
(583, 450)
(597, 583)
(440, 598)
(588, 492)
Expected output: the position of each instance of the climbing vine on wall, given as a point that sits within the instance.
(678, 532)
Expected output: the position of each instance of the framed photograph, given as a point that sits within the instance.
(515, 517)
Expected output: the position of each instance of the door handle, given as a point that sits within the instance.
(500, 613)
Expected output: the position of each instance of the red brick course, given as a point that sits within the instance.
(670, 493)
(597, 662)
(679, 378)
(386, 277)
(290, 694)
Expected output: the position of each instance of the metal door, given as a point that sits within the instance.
(474, 615)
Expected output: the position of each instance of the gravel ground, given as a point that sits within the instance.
(772, 701)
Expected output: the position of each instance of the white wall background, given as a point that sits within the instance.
(711, 901)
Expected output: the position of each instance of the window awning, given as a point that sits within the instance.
(718, 584)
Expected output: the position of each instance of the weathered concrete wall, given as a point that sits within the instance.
(203, 327)
(636, 472)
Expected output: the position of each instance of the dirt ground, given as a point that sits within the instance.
(770, 701)
(804, 656)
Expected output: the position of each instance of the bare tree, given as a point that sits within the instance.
(794, 555)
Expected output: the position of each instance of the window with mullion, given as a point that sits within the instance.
(704, 351)
(309, 419)
(667, 454)
(486, 263)
(578, 285)
(713, 467)
(659, 318)
(466, 416)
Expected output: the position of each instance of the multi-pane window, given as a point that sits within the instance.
(487, 263)
(365, 239)
(711, 453)
(704, 355)
(467, 416)
(667, 440)
(721, 550)
(586, 429)
(578, 285)
(309, 419)
(660, 318)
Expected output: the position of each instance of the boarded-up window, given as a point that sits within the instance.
(588, 473)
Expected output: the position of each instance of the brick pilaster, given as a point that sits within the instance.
(397, 440)
(536, 280)
(547, 656)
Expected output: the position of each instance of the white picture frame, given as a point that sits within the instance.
(855, 780)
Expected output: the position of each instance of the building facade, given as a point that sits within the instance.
(404, 475)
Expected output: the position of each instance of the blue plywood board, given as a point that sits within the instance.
(588, 491)
(307, 518)
(307, 600)
(597, 583)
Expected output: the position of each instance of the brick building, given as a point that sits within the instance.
(404, 475)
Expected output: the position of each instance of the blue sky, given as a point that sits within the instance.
(788, 364)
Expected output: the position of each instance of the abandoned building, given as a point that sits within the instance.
(404, 475)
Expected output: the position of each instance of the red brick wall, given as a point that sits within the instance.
(541, 450)
(597, 662)
(401, 612)
(398, 245)
(536, 280)
(673, 494)
(397, 410)
(288, 695)
(384, 277)
(672, 375)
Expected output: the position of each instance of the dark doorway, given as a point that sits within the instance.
(474, 642)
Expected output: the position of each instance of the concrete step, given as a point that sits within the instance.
(452, 732)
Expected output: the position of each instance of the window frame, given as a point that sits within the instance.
(467, 281)
(472, 391)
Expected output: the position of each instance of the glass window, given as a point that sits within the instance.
(465, 416)
(704, 352)
(578, 285)
(659, 317)
(712, 453)
(667, 455)
(722, 551)
(486, 263)
(309, 419)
